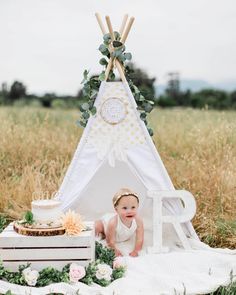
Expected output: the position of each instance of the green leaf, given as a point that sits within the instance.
(118, 272)
(93, 110)
(94, 94)
(117, 44)
(136, 90)
(85, 106)
(141, 98)
(103, 62)
(85, 75)
(143, 116)
(102, 48)
(117, 52)
(151, 102)
(117, 35)
(104, 254)
(150, 131)
(3, 222)
(112, 76)
(121, 57)
(81, 123)
(102, 76)
(148, 108)
(107, 37)
(106, 53)
(137, 96)
(128, 56)
(29, 218)
(85, 115)
(86, 89)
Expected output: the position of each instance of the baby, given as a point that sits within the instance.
(124, 224)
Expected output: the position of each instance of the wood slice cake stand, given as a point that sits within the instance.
(43, 232)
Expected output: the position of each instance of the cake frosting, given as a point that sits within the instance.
(46, 211)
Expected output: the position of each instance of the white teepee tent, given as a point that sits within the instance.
(117, 151)
(111, 156)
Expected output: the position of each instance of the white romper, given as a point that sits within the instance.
(123, 233)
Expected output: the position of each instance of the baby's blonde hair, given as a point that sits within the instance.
(123, 192)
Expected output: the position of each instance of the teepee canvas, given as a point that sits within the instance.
(117, 151)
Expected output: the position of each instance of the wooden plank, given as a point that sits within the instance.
(39, 265)
(45, 254)
(10, 239)
(12, 233)
(44, 242)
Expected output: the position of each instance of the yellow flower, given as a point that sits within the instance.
(72, 222)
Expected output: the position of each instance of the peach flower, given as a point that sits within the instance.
(119, 262)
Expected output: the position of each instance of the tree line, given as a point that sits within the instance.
(173, 96)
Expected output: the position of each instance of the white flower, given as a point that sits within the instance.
(30, 276)
(104, 271)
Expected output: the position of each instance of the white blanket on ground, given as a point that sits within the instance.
(176, 272)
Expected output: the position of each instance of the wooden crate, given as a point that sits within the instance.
(55, 251)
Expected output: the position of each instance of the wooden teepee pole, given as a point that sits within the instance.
(126, 33)
(110, 63)
(98, 17)
(117, 63)
(121, 31)
(110, 29)
(123, 39)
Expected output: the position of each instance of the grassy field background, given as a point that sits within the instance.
(198, 148)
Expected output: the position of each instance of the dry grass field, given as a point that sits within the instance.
(198, 148)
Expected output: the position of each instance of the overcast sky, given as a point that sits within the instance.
(47, 44)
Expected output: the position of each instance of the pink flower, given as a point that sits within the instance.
(76, 273)
(119, 262)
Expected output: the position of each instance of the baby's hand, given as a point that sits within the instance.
(118, 253)
(133, 253)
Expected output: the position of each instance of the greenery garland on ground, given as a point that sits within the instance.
(105, 269)
(92, 84)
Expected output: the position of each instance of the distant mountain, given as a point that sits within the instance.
(194, 85)
(197, 85)
(229, 85)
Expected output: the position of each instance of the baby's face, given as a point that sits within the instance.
(127, 207)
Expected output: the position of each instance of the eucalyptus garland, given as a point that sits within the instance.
(105, 260)
(91, 85)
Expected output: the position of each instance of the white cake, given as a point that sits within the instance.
(46, 212)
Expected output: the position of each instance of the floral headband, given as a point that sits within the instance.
(124, 195)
